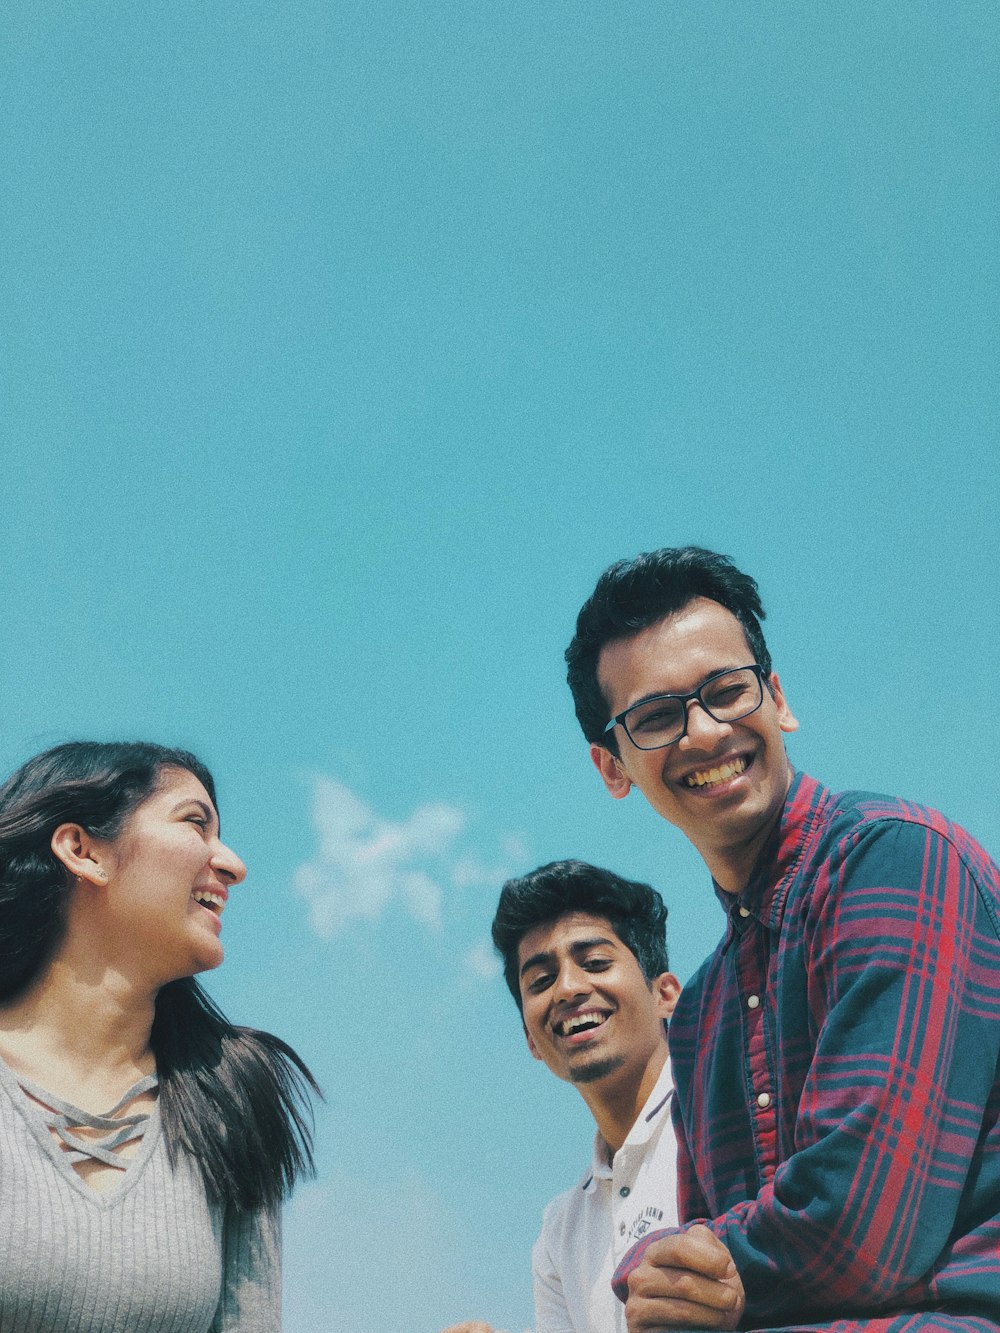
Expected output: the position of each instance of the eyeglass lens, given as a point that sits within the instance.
(661, 721)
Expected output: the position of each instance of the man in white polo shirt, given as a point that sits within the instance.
(585, 958)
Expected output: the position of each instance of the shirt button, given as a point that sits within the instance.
(744, 912)
(621, 1229)
(753, 1001)
(624, 1191)
(764, 1100)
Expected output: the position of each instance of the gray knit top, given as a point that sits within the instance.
(150, 1255)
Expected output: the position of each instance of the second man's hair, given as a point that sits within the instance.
(636, 913)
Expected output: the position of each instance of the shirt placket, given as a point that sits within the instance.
(751, 988)
(622, 1173)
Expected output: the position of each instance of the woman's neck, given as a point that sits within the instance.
(82, 1036)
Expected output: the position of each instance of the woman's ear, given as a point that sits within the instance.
(77, 850)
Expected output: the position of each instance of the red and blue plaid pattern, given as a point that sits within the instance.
(836, 1064)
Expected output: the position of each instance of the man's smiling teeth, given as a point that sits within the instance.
(215, 902)
(591, 1018)
(708, 777)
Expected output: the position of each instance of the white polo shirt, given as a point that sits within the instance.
(586, 1231)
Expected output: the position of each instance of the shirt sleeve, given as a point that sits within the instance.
(251, 1273)
(690, 1199)
(551, 1312)
(902, 956)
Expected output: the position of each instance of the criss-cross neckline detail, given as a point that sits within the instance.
(62, 1118)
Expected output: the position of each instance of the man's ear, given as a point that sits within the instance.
(612, 772)
(531, 1045)
(80, 854)
(787, 720)
(666, 989)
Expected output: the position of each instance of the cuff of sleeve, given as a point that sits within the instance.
(632, 1260)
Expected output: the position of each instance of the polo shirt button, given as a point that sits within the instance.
(744, 912)
(621, 1229)
(624, 1191)
(753, 1001)
(764, 1100)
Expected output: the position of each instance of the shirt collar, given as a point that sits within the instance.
(648, 1122)
(766, 891)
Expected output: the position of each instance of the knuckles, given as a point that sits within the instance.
(655, 1281)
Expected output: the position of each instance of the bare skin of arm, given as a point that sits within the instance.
(684, 1281)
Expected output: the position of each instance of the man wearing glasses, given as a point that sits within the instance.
(836, 1057)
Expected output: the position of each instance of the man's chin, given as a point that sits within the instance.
(597, 1070)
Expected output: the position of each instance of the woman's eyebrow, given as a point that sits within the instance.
(207, 810)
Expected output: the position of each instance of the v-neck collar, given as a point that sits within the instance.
(35, 1122)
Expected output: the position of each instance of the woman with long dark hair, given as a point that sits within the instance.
(145, 1142)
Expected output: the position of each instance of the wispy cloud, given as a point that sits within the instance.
(481, 960)
(469, 871)
(429, 1271)
(364, 862)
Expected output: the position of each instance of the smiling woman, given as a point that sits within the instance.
(145, 1142)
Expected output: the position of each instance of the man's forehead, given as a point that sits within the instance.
(572, 928)
(673, 655)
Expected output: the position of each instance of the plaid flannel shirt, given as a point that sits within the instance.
(836, 1062)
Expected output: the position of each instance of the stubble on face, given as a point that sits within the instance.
(599, 1069)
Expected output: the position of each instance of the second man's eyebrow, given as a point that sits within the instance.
(577, 947)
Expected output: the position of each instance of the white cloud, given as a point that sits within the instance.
(470, 871)
(416, 1263)
(365, 862)
(482, 961)
(516, 849)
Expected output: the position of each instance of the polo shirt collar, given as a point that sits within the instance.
(648, 1122)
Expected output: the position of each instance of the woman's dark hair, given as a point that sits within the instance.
(635, 912)
(234, 1098)
(631, 595)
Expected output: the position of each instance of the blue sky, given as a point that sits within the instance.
(344, 345)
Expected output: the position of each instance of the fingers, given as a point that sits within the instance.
(679, 1286)
(697, 1249)
(470, 1326)
(657, 1316)
(688, 1280)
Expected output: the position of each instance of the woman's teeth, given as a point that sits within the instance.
(213, 901)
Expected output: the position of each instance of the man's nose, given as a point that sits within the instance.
(702, 732)
(570, 981)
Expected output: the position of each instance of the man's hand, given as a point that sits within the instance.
(470, 1326)
(684, 1281)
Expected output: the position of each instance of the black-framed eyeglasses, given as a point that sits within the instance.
(662, 720)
